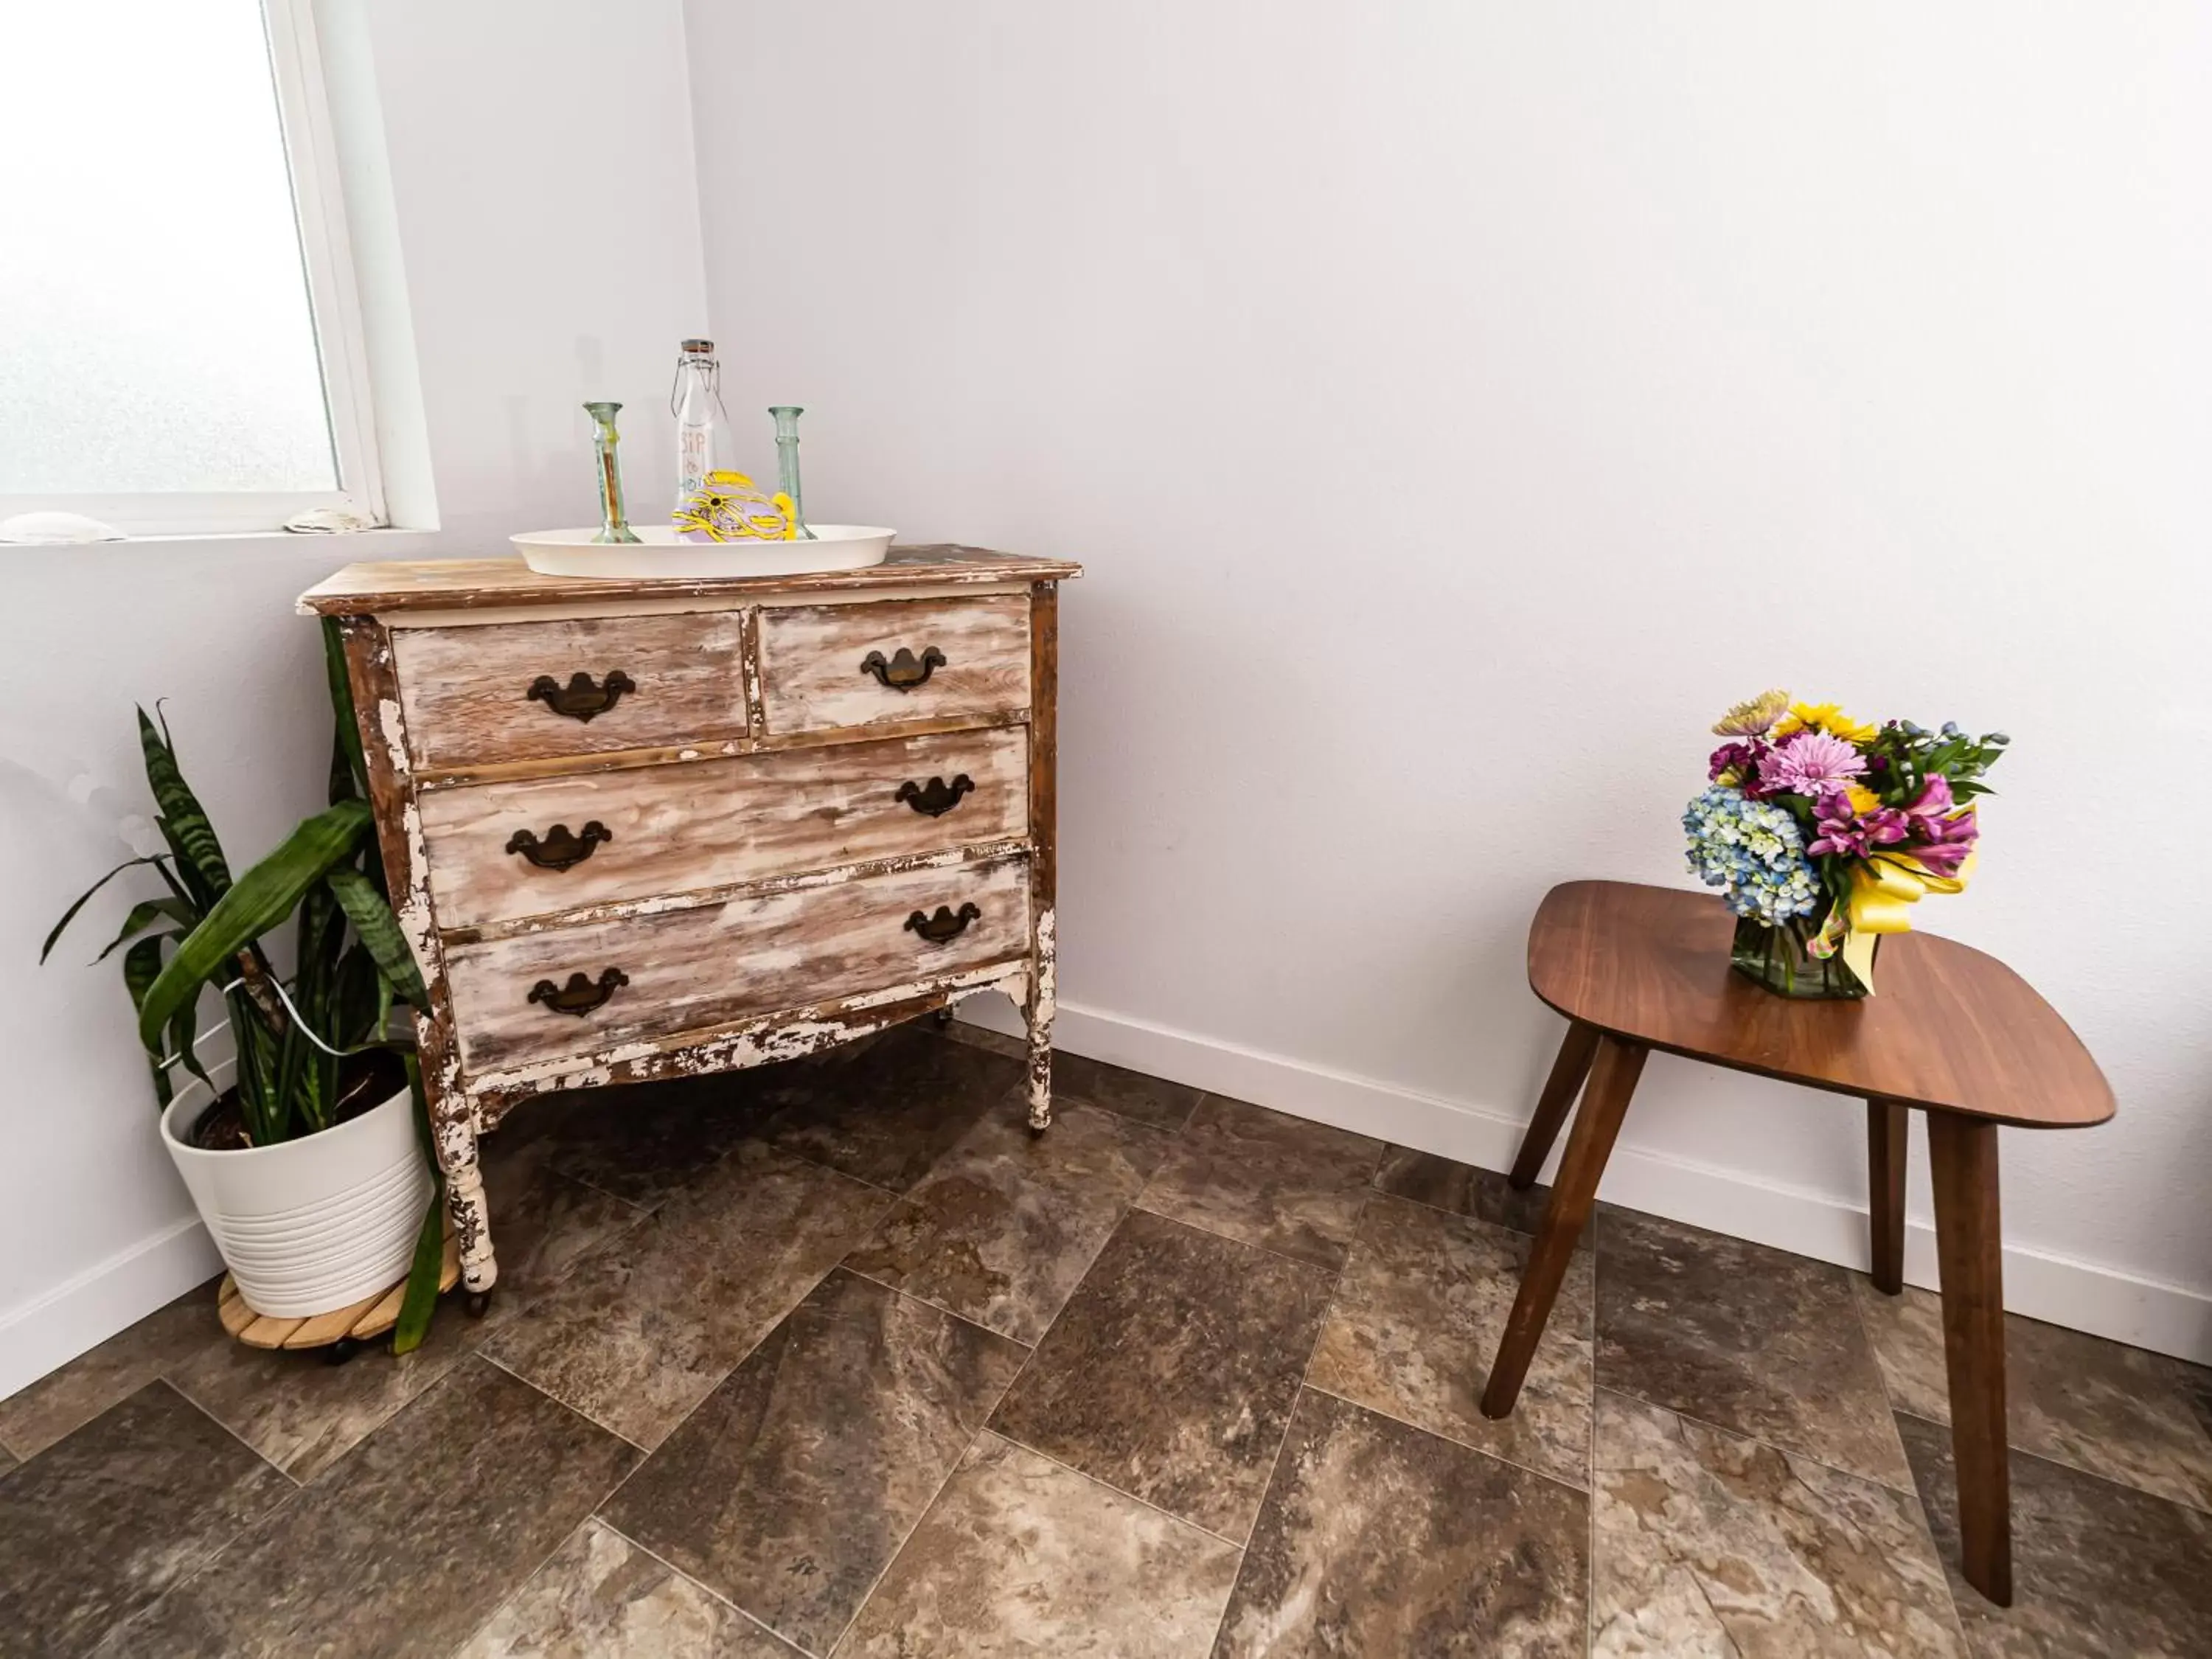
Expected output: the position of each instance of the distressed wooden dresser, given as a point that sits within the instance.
(637, 829)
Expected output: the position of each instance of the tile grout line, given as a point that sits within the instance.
(178, 1390)
(535, 1387)
(1911, 1492)
(1453, 1439)
(523, 1580)
(1589, 1517)
(1297, 1395)
(1919, 1502)
(2011, 1445)
(207, 1564)
(982, 1428)
(598, 1520)
(2059, 1463)
(920, 1301)
(1104, 1485)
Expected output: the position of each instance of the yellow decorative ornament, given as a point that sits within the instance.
(727, 509)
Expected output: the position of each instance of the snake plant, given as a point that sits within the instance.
(351, 962)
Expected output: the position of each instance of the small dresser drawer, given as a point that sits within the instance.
(828, 666)
(595, 989)
(541, 690)
(500, 851)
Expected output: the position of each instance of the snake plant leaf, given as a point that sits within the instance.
(69, 915)
(348, 731)
(143, 914)
(183, 1040)
(260, 898)
(378, 929)
(142, 964)
(420, 1301)
(183, 822)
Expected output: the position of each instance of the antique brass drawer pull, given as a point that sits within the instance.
(939, 799)
(559, 850)
(579, 700)
(904, 671)
(945, 925)
(579, 995)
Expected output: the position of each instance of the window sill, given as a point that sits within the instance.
(368, 542)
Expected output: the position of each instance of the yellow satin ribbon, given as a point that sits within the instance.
(1884, 890)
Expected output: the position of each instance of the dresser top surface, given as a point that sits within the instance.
(472, 584)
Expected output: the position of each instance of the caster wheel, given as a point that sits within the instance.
(478, 1303)
(1037, 1130)
(943, 1018)
(340, 1350)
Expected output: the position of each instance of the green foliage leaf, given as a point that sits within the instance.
(379, 932)
(142, 964)
(261, 898)
(184, 824)
(349, 727)
(143, 914)
(420, 1303)
(69, 915)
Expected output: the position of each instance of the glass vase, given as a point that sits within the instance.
(1780, 959)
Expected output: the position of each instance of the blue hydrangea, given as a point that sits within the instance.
(1753, 848)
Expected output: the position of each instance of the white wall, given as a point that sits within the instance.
(1456, 405)
(540, 174)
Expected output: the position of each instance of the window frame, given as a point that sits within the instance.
(334, 305)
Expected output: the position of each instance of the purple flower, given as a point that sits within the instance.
(1740, 758)
(1811, 764)
(1943, 833)
(1846, 831)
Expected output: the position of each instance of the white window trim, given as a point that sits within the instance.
(311, 156)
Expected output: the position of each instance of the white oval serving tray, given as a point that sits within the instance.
(660, 556)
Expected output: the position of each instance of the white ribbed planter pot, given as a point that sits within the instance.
(313, 1226)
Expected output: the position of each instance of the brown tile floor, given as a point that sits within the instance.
(834, 1359)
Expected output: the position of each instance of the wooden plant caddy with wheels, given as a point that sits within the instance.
(341, 1332)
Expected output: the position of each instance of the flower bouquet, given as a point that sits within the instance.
(1826, 831)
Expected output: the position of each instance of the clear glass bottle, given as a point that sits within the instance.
(702, 432)
(787, 464)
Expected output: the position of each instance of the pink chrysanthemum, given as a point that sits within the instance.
(1810, 763)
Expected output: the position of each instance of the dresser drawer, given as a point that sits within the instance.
(510, 691)
(494, 854)
(829, 666)
(690, 970)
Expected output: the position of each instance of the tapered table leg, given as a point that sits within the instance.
(1963, 1161)
(1611, 1081)
(1568, 1071)
(1886, 1155)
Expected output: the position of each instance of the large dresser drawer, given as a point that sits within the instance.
(826, 666)
(481, 694)
(654, 976)
(496, 850)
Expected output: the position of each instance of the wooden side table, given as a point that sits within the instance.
(1953, 1032)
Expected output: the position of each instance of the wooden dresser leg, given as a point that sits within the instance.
(1963, 1161)
(1612, 1080)
(464, 1201)
(1886, 1144)
(1039, 1013)
(1577, 1050)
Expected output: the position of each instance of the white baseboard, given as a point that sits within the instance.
(83, 1312)
(2083, 1295)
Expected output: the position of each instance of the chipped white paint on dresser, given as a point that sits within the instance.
(643, 829)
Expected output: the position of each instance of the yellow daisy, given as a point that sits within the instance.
(1827, 717)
